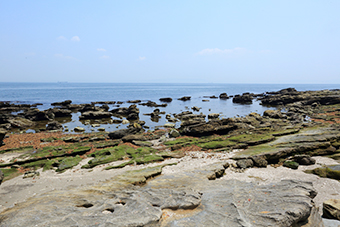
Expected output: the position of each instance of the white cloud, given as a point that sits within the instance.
(141, 58)
(61, 38)
(75, 38)
(210, 51)
(61, 56)
(105, 57)
(101, 49)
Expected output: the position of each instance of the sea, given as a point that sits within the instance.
(47, 93)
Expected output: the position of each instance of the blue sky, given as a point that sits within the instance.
(170, 41)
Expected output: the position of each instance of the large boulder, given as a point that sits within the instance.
(243, 99)
(2, 136)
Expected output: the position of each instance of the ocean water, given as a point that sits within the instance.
(47, 93)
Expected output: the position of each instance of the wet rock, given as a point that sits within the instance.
(37, 115)
(185, 98)
(331, 209)
(60, 112)
(153, 104)
(213, 115)
(195, 108)
(64, 103)
(134, 101)
(132, 116)
(224, 96)
(54, 125)
(124, 111)
(95, 115)
(79, 129)
(166, 99)
(243, 99)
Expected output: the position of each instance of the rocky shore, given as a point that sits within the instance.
(279, 168)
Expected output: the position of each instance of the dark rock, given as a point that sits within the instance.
(165, 99)
(64, 103)
(153, 104)
(120, 133)
(245, 163)
(213, 115)
(243, 99)
(37, 115)
(185, 98)
(124, 111)
(134, 101)
(304, 159)
(195, 108)
(95, 115)
(2, 136)
(331, 209)
(54, 125)
(224, 96)
(132, 116)
(60, 112)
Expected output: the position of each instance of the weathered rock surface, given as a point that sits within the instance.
(286, 96)
(309, 142)
(331, 209)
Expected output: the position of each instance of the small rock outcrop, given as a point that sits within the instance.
(54, 125)
(331, 209)
(1, 176)
(2, 136)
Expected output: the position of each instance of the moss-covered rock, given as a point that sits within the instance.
(291, 164)
(68, 163)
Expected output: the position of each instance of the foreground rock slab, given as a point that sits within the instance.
(191, 198)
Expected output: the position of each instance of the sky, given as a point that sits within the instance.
(177, 41)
